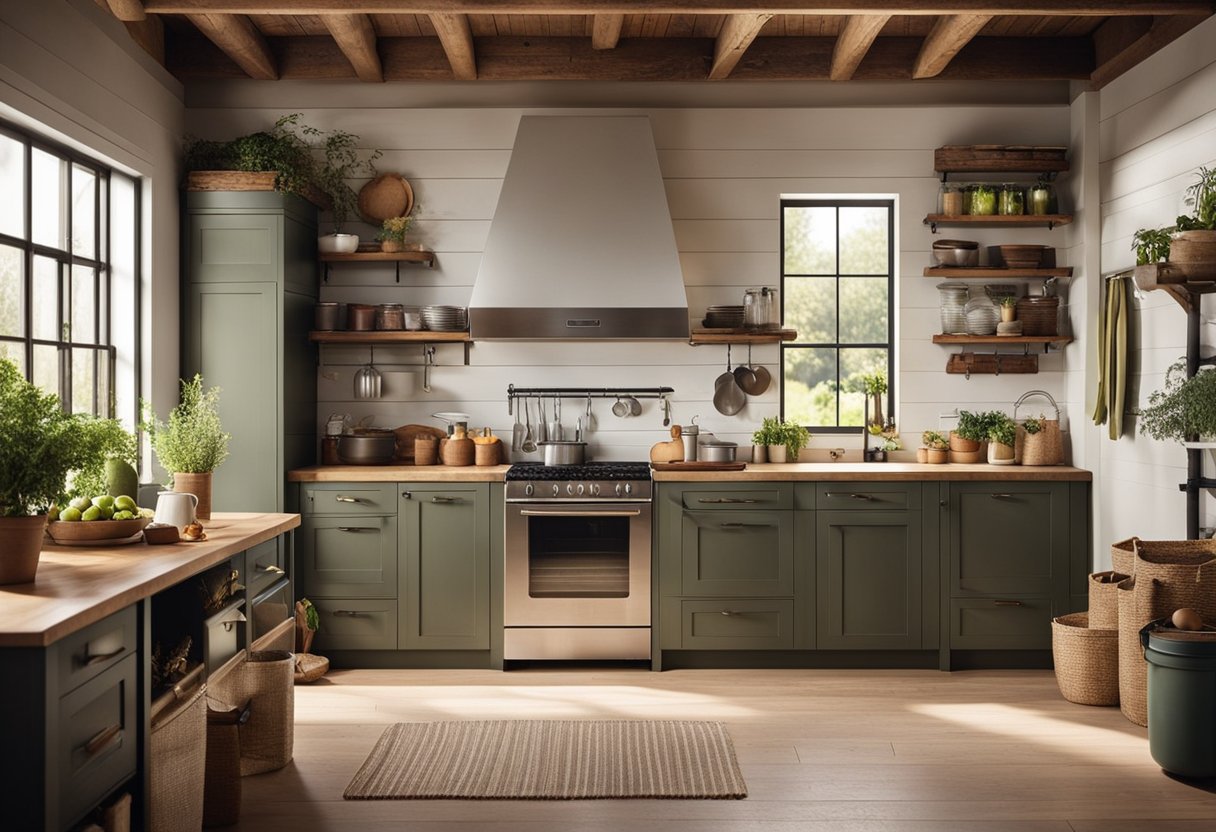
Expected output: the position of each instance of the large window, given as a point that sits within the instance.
(69, 266)
(837, 289)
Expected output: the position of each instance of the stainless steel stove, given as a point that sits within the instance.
(577, 569)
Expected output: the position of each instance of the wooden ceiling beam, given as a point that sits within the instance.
(128, 11)
(737, 34)
(356, 37)
(1102, 8)
(606, 30)
(457, 39)
(240, 40)
(147, 32)
(948, 36)
(855, 40)
(1121, 43)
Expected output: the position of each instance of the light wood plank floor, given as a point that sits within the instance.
(822, 750)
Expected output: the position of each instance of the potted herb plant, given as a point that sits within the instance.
(874, 387)
(392, 233)
(968, 438)
(1183, 410)
(1194, 242)
(1002, 436)
(1009, 309)
(935, 447)
(794, 438)
(342, 161)
(1152, 245)
(192, 444)
(40, 445)
(765, 439)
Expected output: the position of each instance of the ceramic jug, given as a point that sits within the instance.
(175, 508)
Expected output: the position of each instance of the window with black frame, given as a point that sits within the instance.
(69, 274)
(837, 291)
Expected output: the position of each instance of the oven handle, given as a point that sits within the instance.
(527, 512)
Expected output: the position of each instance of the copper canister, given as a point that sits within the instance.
(390, 316)
(360, 317)
(326, 316)
(329, 450)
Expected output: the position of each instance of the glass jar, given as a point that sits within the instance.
(758, 308)
(390, 316)
(983, 200)
(1042, 199)
(950, 199)
(1012, 200)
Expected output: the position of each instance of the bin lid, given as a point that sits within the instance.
(1175, 642)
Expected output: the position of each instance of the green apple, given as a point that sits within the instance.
(147, 513)
(107, 512)
(123, 515)
(81, 503)
(104, 501)
(52, 513)
(124, 503)
(91, 513)
(71, 514)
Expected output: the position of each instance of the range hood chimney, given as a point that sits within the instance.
(581, 244)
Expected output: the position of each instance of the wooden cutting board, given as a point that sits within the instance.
(698, 466)
(406, 434)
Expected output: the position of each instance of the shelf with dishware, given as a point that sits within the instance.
(412, 257)
(1025, 340)
(380, 336)
(1048, 221)
(986, 272)
(705, 335)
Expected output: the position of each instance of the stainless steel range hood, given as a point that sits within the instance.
(581, 245)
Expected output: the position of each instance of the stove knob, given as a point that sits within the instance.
(556, 489)
(570, 488)
(580, 489)
(528, 490)
(618, 489)
(628, 488)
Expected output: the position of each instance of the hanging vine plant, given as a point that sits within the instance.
(1184, 408)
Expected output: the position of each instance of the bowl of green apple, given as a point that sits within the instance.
(97, 519)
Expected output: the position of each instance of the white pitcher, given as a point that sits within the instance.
(176, 508)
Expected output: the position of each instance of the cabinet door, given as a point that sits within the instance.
(348, 557)
(869, 580)
(236, 248)
(1009, 538)
(234, 342)
(742, 554)
(445, 580)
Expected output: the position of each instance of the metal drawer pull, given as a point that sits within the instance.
(1007, 603)
(348, 613)
(102, 739)
(407, 495)
(445, 499)
(89, 661)
(527, 512)
(271, 569)
(342, 498)
(232, 622)
(745, 525)
(719, 500)
(833, 494)
(357, 529)
(1002, 496)
(729, 612)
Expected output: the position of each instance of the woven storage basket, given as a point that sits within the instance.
(1133, 672)
(1039, 315)
(176, 765)
(1086, 660)
(266, 682)
(222, 791)
(1104, 599)
(1045, 447)
(1186, 570)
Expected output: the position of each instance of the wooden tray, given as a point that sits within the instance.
(698, 466)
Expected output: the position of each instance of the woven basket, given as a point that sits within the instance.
(1186, 570)
(265, 681)
(1086, 660)
(1134, 612)
(1045, 447)
(176, 765)
(1104, 599)
(1039, 315)
(222, 791)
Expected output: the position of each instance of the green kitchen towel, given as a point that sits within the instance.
(1112, 356)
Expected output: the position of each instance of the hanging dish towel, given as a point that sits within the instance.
(1112, 356)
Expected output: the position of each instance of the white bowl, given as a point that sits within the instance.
(338, 244)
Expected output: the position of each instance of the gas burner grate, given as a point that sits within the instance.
(532, 471)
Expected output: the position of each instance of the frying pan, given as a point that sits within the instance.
(729, 398)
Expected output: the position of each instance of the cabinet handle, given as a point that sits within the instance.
(102, 739)
(719, 500)
(342, 498)
(1007, 603)
(90, 660)
(357, 529)
(729, 613)
(1001, 496)
(445, 499)
(238, 618)
(407, 495)
(271, 569)
(831, 494)
(348, 613)
(744, 525)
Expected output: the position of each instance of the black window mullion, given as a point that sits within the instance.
(29, 261)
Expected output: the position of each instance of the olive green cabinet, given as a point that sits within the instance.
(737, 554)
(249, 284)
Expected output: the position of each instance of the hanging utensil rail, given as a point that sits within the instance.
(514, 393)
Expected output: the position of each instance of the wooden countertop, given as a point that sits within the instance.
(399, 473)
(890, 471)
(77, 585)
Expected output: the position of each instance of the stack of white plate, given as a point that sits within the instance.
(723, 317)
(953, 300)
(445, 318)
(982, 316)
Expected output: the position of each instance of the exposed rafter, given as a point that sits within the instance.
(128, 11)
(854, 42)
(356, 37)
(606, 30)
(948, 36)
(457, 39)
(1120, 44)
(240, 40)
(737, 34)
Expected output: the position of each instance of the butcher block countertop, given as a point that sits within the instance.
(399, 473)
(889, 471)
(79, 585)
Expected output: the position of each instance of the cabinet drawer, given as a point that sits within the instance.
(348, 499)
(270, 609)
(88, 652)
(223, 636)
(736, 499)
(738, 554)
(356, 624)
(96, 743)
(1000, 623)
(1008, 538)
(348, 557)
(867, 496)
(264, 564)
(737, 624)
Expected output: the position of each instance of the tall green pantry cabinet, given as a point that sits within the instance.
(249, 283)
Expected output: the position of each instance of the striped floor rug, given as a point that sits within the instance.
(550, 760)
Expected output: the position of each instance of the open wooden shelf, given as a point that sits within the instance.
(998, 220)
(740, 336)
(1045, 340)
(427, 257)
(999, 159)
(1173, 281)
(379, 336)
(994, 271)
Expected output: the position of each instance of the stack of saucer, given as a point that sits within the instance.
(445, 318)
(723, 317)
(1009, 328)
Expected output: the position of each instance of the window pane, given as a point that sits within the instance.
(84, 306)
(864, 240)
(105, 394)
(46, 186)
(46, 299)
(854, 362)
(810, 240)
(12, 291)
(863, 310)
(810, 385)
(46, 368)
(810, 308)
(123, 281)
(82, 381)
(12, 185)
(14, 353)
(84, 213)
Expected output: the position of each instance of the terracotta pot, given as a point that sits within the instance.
(20, 546)
(922, 455)
(963, 446)
(390, 246)
(200, 486)
(1194, 253)
(938, 456)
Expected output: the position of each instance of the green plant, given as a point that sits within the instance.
(312, 619)
(770, 432)
(40, 445)
(1009, 301)
(1001, 428)
(872, 384)
(935, 440)
(1034, 424)
(890, 443)
(1184, 408)
(394, 228)
(342, 161)
(193, 441)
(283, 149)
(1202, 196)
(795, 437)
(114, 442)
(1152, 245)
(976, 426)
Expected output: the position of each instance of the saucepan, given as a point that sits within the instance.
(563, 452)
(367, 446)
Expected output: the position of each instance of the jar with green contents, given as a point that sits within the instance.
(983, 200)
(1042, 199)
(1012, 200)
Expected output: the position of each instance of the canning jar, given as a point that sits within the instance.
(1042, 199)
(950, 199)
(983, 200)
(1012, 200)
(758, 308)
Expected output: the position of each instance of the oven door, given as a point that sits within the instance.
(577, 565)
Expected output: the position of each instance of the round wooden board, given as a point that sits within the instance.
(388, 195)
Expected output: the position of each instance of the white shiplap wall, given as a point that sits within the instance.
(1158, 124)
(725, 171)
